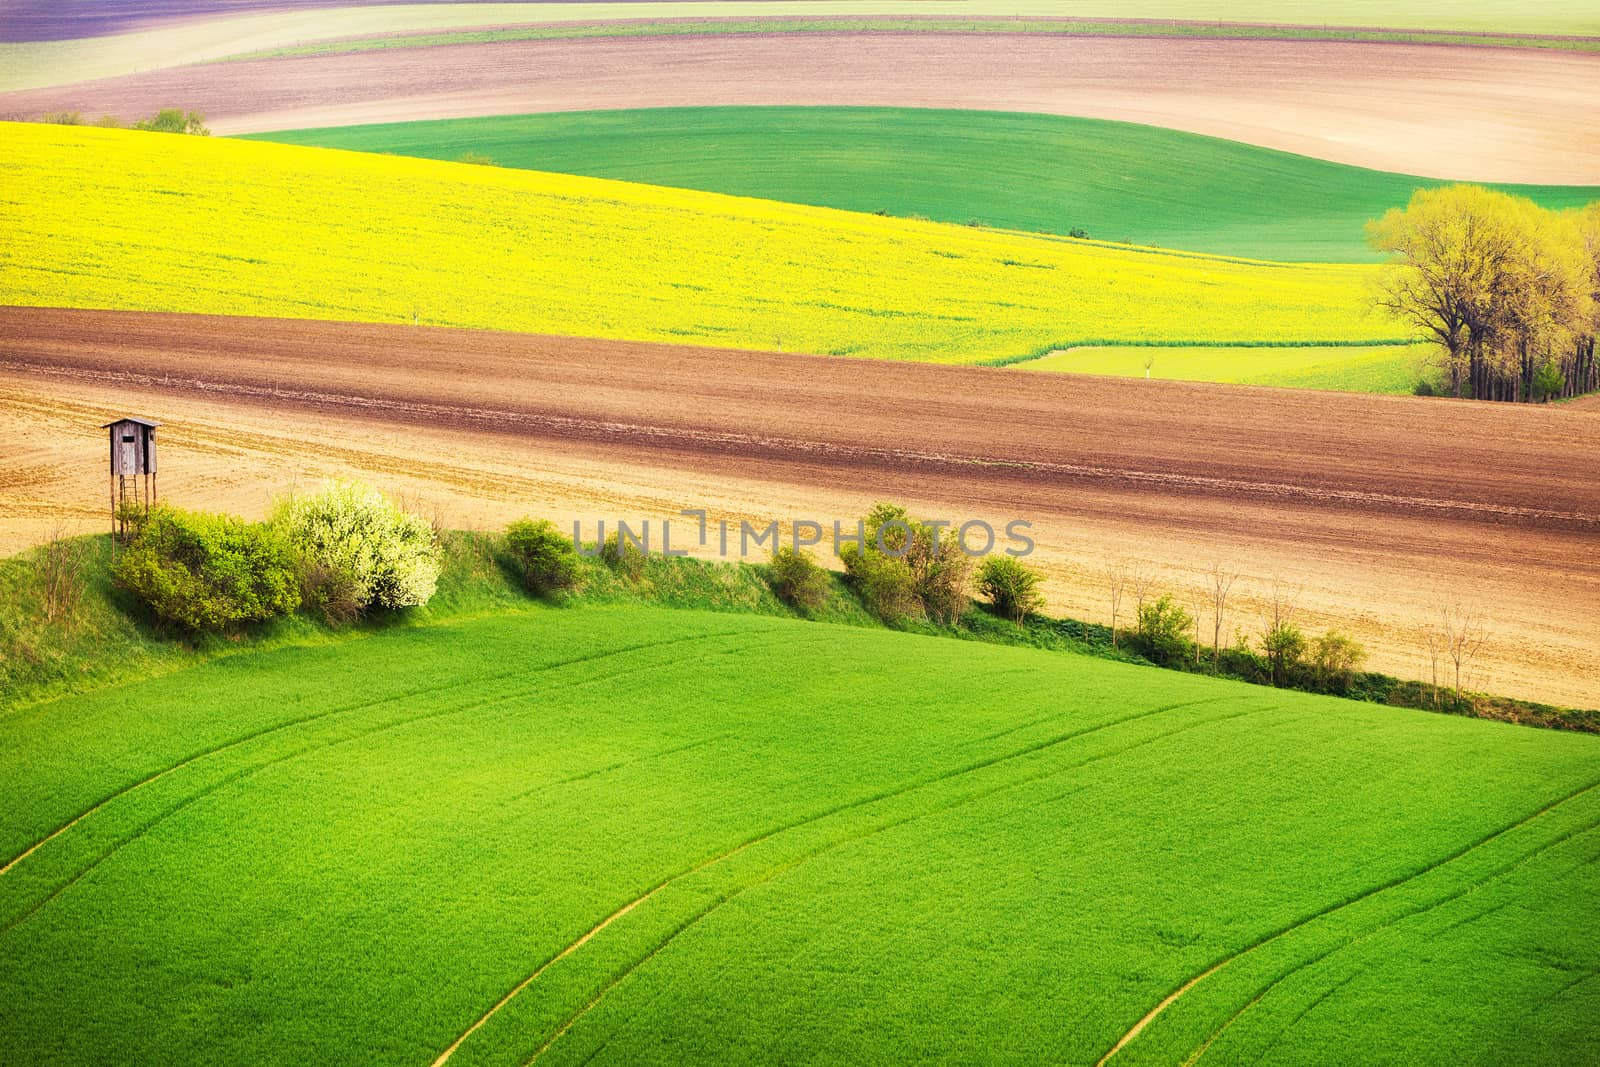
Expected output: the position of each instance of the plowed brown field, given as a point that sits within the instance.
(1381, 509)
(1451, 112)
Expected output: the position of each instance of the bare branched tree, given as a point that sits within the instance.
(1465, 629)
(1283, 601)
(1116, 578)
(1196, 601)
(1281, 639)
(1433, 638)
(1221, 585)
(1141, 577)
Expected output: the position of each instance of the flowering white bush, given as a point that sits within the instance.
(388, 557)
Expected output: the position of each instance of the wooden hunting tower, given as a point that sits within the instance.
(133, 455)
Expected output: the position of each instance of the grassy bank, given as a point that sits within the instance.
(107, 639)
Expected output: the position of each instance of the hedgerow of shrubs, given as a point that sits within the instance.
(625, 558)
(797, 580)
(209, 572)
(904, 569)
(357, 547)
(544, 558)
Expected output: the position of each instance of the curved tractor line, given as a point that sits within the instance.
(361, 706)
(1172, 997)
(873, 831)
(444, 1056)
(318, 747)
(1195, 1056)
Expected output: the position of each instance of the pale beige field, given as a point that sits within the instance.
(53, 43)
(1379, 509)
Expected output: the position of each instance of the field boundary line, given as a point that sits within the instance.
(1172, 997)
(807, 820)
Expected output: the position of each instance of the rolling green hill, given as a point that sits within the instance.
(1117, 181)
(636, 835)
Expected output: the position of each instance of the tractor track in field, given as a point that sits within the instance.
(749, 843)
(872, 831)
(250, 771)
(1195, 1056)
(1494, 835)
(476, 681)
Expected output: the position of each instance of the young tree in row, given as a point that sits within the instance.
(1221, 585)
(1465, 630)
(1141, 577)
(1281, 639)
(1116, 579)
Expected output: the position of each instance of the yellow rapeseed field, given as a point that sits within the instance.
(162, 222)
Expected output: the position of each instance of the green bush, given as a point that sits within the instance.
(1335, 658)
(382, 556)
(1284, 646)
(1548, 381)
(1163, 633)
(905, 571)
(130, 517)
(174, 120)
(797, 580)
(1243, 662)
(329, 592)
(546, 560)
(209, 572)
(941, 574)
(1011, 586)
(881, 574)
(883, 584)
(625, 558)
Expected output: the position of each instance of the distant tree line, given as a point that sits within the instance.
(167, 120)
(1509, 291)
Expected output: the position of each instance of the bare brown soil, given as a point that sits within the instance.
(1380, 509)
(1451, 112)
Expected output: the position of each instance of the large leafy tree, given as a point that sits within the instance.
(1506, 289)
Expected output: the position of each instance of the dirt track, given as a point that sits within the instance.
(1380, 508)
(1451, 112)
